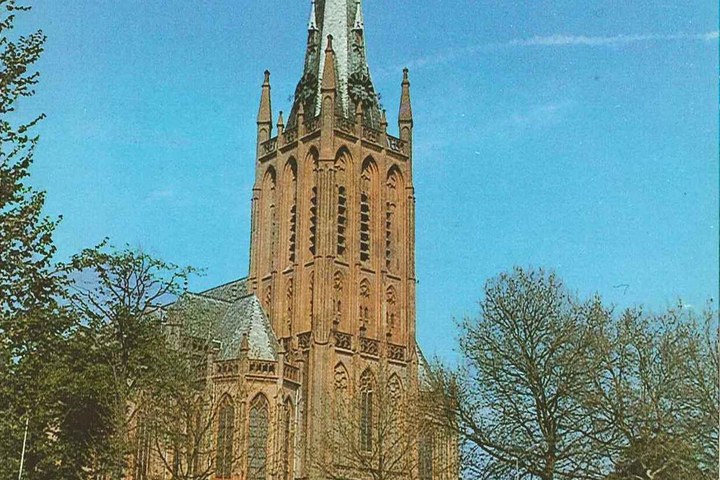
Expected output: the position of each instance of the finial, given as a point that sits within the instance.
(359, 24)
(244, 343)
(312, 23)
(280, 122)
(405, 75)
(329, 47)
(383, 119)
(267, 78)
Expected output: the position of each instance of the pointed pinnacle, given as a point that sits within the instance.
(405, 107)
(312, 23)
(265, 110)
(359, 23)
(280, 122)
(328, 78)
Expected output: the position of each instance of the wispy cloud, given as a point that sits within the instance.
(555, 41)
(535, 117)
(617, 40)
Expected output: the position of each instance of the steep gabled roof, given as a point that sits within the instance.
(227, 322)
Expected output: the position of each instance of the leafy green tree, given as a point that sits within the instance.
(118, 296)
(32, 322)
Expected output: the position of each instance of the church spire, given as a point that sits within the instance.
(343, 19)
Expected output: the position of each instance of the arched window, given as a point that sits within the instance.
(365, 312)
(226, 433)
(287, 455)
(342, 206)
(269, 223)
(267, 299)
(313, 220)
(291, 202)
(341, 379)
(368, 196)
(309, 169)
(394, 411)
(393, 227)
(367, 387)
(258, 438)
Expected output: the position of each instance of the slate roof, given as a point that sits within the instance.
(230, 291)
(221, 315)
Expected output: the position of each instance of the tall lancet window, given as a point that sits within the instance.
(290, 174)
(269, 224)
(342, 205)
(313, 220)
(393, 227)
(258, 438)
(365, 307)
(311, 193)
(367, 387)
(226, 433)
(368, 199)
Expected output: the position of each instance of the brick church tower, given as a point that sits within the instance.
(332, 256)
(327, 311)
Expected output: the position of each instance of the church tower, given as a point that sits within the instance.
(333, 222)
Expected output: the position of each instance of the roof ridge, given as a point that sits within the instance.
(208, 297)
(224, 284)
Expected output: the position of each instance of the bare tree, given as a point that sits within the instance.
(654, 402)
(526, 365)
(553, 387)
(385, 432)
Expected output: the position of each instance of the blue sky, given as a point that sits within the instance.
(576, 136)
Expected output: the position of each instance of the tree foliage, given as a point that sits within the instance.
(32, 321)
(117, 297)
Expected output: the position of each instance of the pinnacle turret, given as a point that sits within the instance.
(264, 117)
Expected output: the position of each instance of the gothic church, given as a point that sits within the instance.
(330, 296)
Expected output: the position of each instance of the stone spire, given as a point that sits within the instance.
(343, 20)
(264, 117)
